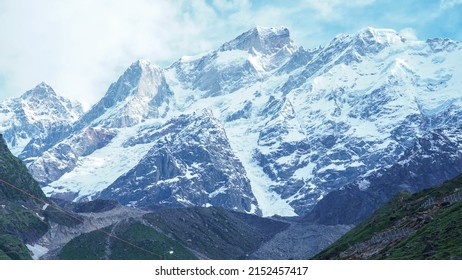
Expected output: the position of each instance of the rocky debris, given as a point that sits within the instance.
(300, 241)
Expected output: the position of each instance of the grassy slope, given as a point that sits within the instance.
(94, 245)
(11, 248)
(436, 229)
(440, 239)
(21, 222)
(146, 237)
(18, 216)
(15, 172)
(212, 232)
(87, 246)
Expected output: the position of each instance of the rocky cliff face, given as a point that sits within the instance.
(63, 157)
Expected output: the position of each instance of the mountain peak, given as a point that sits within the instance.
(266, 40)
(143, 63)
(367, 41)
(269, 31)
(379, 35)
(140, 68)
(136, 95)
(43, 94)
(42, 90)
(44, 86)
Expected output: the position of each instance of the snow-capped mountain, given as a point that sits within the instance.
(295, 124)
(33, 116)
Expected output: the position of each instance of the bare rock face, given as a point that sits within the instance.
(190, 163)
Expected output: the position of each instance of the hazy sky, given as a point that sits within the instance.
(80, 46)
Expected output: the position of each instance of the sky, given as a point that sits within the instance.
(80, 47)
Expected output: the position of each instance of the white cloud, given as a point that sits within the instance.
(80, 46)
(226, 5)
(408, 33)
(333, 9)
(447, 4)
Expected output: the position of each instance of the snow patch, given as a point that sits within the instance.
(37, 251)
(232, 57)
(363, 184)
(217, 192)
(306, 172)
(40, 217)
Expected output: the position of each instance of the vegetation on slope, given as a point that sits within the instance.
(11, 248)
(20, 220)
(87, 246)
(424, 225)
(148, 238)
(144, 243)
(15, 172)
(440, 239)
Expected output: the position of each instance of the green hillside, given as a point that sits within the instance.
(13, 171)
(144, 243)
(20, 215)
(11, 248)
(424, 225)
